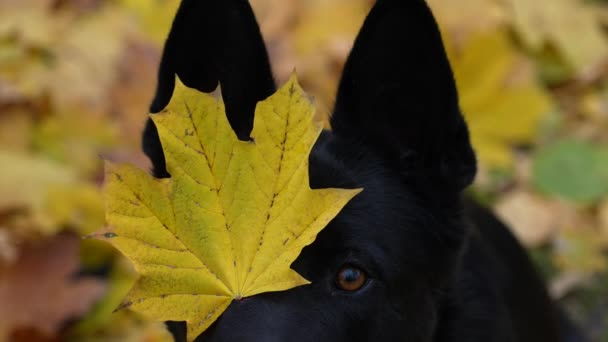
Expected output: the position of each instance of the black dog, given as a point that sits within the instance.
(405, 260)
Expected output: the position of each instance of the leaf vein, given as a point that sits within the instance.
(216, 189)
(164, 225)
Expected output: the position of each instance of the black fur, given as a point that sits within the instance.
(398, 94)
(439, 269)
(213, 43)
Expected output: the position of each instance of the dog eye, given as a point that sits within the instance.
(350, 278)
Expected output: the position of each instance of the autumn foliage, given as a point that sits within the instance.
(77, 76)
(252, 197)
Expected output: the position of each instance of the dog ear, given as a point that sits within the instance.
(398, 94)
(211, 42)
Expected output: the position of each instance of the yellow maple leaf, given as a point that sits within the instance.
(233, 216)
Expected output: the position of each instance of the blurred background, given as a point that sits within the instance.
(76, 78)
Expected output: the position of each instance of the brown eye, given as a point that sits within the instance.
(350, 278)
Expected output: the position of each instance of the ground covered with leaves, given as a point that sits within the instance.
(76, 77)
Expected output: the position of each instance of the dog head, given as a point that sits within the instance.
(378, 269)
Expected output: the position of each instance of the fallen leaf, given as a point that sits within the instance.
(571, 26)
(532, 219)
(83, 72)
(51, 53)
(76, 138)
(233, 216)
(579, 249)
(275, 16)
(77, 207)
(465, 18)
(102, 323)
(52, 198)
(154, 17)
(313, 37)
(40, 173)
(132, 92)
(321, 22)
(40, 290)
(499, 95)
(573, 170)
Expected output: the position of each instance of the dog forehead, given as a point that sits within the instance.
(388, 221)
(385, 206)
